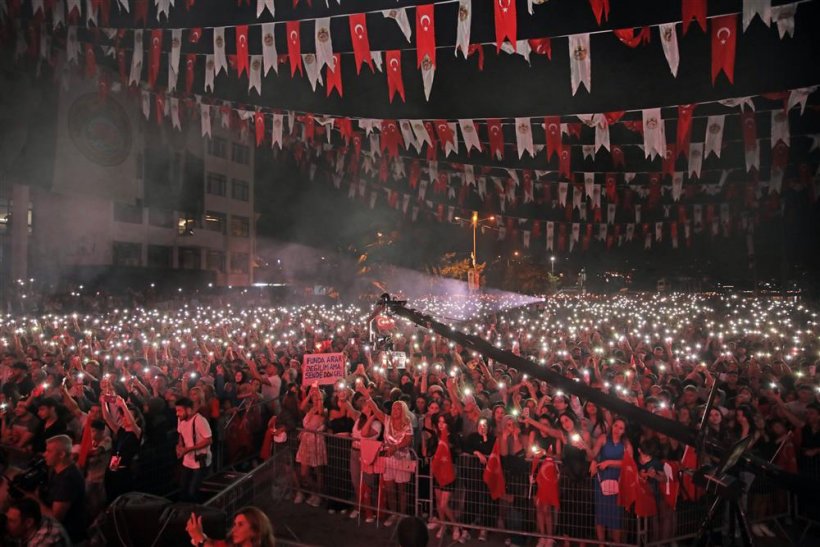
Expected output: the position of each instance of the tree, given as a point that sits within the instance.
(449, 266)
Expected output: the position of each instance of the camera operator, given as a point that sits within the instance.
(63, 495)
(193, 448)
(27, 524)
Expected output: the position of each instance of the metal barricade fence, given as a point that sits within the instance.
(808, 510)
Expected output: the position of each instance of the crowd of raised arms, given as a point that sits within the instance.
(112, 397)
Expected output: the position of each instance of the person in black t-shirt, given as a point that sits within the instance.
(124, 448)
(51, 424)
(63, 496)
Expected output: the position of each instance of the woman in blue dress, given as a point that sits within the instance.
(608, 453)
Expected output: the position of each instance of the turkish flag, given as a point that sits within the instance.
(600, 8)
(190, 66)
(441, 467)
(547, 481)
(425, 34)
(395, 84)
(361, 44)
(684, 131)
(669, 159)
(445, 134)
(333, 75)
(552, 127)
(631, 38)
(345, 127)
(689, 461)
(153, 61)
(415, 173)
(494, 474)
(693, 9)
(195, 35)
(749, 127)
(294, 47)
(505, 23)
(140, 11)
(90, 61)
(259, 124)
(541, 46)
(496, 138)
(645, 505)
(391, 140)
(564, 163)
(477, 49)
(724, 42)
(611, 188)
(617, 156)
(86, 443)
(121, 66)
(241, 49)
(628, 480)
(159, 111)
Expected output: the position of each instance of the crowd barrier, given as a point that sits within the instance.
(514, 514)
(807, 510)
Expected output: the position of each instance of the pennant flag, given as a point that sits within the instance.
(262, 5)
(724, 29)
(173, 59)
(255, 74)
(505, 23)
(714, 135)
(470, 134)
(312, 69)
(654, 135)
(276, 130)
(496, 135)
(693, 9)
(600, 8)
(783, 15)
(631, 38)
(552, 127)
(194, 35)
(221, 62)
(579, 59)
(441, 466)
(205, 119)
(136, 59)
(695, 159)
(749, 128)
(259, 125)
(761, 8)
(669, 42)
(425, 34)
(270, 58)
(90, 61)
(541, 46)
(241, 49)
(324, 44)
(294, 47)
(493, 475)
(780, 127)
(684, 129)
(465, 18)
(334, 75)
(153, 61)
(428, 72)
(400, 17)
(523, 134)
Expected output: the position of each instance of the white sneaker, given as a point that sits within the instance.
(314, 501)
(456, 534)
(465, 537)
(391, 520)
(298, 498)
(766, 530)
(482, 535)
(354, 514)
(370, 520)
(331, 511)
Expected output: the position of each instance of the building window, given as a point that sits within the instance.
(240, 189)
(6, 206)
(240, 153)
(186, 224)
(218, 147)
(163, 218)
(240, 226)
(239, 262)
(215, 260)
(190, 258)
(160, 256)
(216, 184)
(124, 212)
(216, 222)
(127, 254)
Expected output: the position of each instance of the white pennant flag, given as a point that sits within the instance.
(255, 75)
(91, 13)
(654, 134)
(269, 55)
(163, 8)
(775, 180)
(414, 215)
(422, 136)
(175, 113)
(146, 103)
(262, 5)
(762, 8)
(205, 119)
(407, 134)
(753, 157)
(221, 62)
(312, 68)
(58, 14)
(522, 48)
(526, 238)
(576, 235)
(324, 43)
(741, 102)
(225, 115)
(482, 187)
(523, 135)
(601, 134)
(577, 196)
(610, 213)
(579, 62)
(399, 16)
(695, 158)
(124, 5)
(72, 48)
(714, 135)
(404, 203)
(783, 15)
(589, 151)
(36, 5)
(630, 231)
(602, 228)
(136, 60)
(209, 73)
(470, 134)
(469, 175)
(550, 235)
(173, 59)
(669, 41)
(780, 127)
(73, 5)
(799, 97)
(452, 146)
(596, 196)
(376, 56)
(659, 231)
(428, 72)
(276, 130)
(677, 185)
(589, 184)
(562, 193)
(465, 18)
(638, 213)
(373, 197)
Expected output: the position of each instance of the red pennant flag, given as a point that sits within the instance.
(195, 35)
(505, 23)
(294, 47)
(345, 127)
(613, 117)
(749, 127)
(669, 159)
(391, 138)
(441, 467)
(693, 9)
(672, 486)
(90, 61)
(574, 129)
(547, 482)
(628, 480)
(333, 75)
(494, 474)
(496, 138)
(190, 66)
(159, 111)
(86, 443)
(724, 41)
(631, 38)
(310, 127)
(445, 134)
(552, 127)
(140, 11)
(611, 188)
(259, 123)
(684, 131)
(425, 34)
(415, 173)
(479, 49)
(600, 8)
(541, 46)
(564, 163)
(562, 232)
(153, 62)
(103, 85)
(361, 44)
(395, 84)
(242, 50)
(654, 190)
(645, 505)
(617, 156)
(122, 68)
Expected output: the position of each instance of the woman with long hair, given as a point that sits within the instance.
(251, 528)
(608, 453)
(365, 427)
(443, 471)
(125, 445)
(574, 486)
(544, 442)
(312, 452)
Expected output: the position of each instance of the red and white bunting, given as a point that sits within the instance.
(724, 42)
(294, 47)
(209, 73)
(465, 17)
(324, 43)
(469, 132)
(270, 58)
(654, 133)
(669, 43)
(262, 5)
(312, 69)
(580, 62)
(714, 135)
(255, 74)
(780, 127)
(523, 137)
(205, 119)
(506, 25)
(761, 8)
(783, 15)
(220, 60)
(276, 130)
(399, 15)
(361, 43)
(136, 59)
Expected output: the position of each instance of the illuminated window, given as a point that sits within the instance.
(240, 226)
(216, 222)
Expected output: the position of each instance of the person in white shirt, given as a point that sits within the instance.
(193, 448)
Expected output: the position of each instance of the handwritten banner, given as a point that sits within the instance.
(322, 368)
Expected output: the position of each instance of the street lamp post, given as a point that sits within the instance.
(552, 265)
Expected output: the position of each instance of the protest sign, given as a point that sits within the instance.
(322, 368)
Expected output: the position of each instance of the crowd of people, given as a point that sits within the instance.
(110, 398)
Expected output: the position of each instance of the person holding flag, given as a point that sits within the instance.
(544, 442)
(444, 475)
